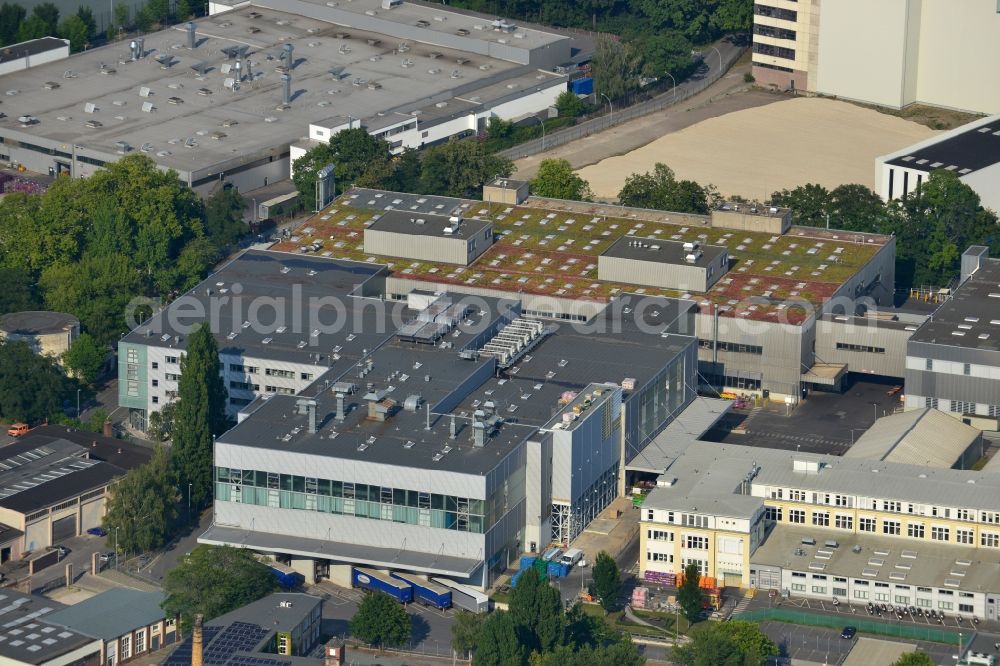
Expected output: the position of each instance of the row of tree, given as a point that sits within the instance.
(455, 168)
(88, 246)
(932, 226)
(16, 25)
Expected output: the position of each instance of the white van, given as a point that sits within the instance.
(572, 556)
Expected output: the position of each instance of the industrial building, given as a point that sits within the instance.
(32, 53)
(971, 151)
(449, 459)
(27, 638)
(279, 629)
(953, 359)
(223, 99)
(48, 333)
(920, 437)
(53, 486)
(776, 301)
(911, 51)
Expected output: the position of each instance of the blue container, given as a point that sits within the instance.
(583, 86)
(555, 570)
(376, 581)
(425, 591)
(516, 577)
(527, 561)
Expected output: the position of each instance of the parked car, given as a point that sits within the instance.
(107, 557)
(18, 429)
(848, 632)
(97, 531)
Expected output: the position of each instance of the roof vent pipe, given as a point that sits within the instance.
(286, 55)
(453, 428)
(191, 39)
(286, 89)
(478, 434)
(341, 412)
(140, 50)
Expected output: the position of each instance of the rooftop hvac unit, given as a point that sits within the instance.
(691, 246)
(693, 257)
(89, 107)
(144, 91)
(147, 107)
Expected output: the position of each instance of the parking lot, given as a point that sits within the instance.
(822, 423)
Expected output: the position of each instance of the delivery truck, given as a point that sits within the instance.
(425, 591)
(376, 581)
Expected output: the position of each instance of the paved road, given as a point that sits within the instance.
(166, 560)
(80, 550)
(106, 398)
(822, 423)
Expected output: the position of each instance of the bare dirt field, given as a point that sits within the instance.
(756, 151)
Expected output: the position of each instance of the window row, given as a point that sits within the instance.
(771, 31)
(775, 12)
(776, 51)
(449, 519)
(846, 346)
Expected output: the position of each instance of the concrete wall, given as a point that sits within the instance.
(745, 220)
(25, 62)
(682, 277)
(889, 363)
(863, 50)
(446, 249)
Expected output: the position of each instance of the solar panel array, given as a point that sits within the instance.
(237, 637)
(182, 655)
(248, 660)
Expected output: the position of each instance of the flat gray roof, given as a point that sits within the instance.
(366, 199)
(661, 251)
(688, 427)
(112, 613)
(971, 317)
(31, 47)
(306, 284)
(920, 437)
(212, 128)
(884, 559)
(37, 322)
(403, 222)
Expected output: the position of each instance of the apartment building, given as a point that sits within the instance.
(911, 51)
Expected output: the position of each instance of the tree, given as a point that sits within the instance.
(85, 358)
(86, 15)
(200, 415)
(733, 16)
(536, 610)
(689, 594)
(498, 642)
(661, 190)
(213, 580)
(380, 620)
(159, 10)
(33, 27)
(555, 178)
(11, 17)
(49, 14)
(734, 643)
(183, 10)
(668, 52)
(122, 14)
(224, 223)
(465, 631)
(914, 658)
(17, 294)
(809, 203)
(305, 168)
(614, 67)
(144, 19)
(75, 30)
(142, 508)
(459, 168)
(607, 584)
(622, 652)
(31, 386)
(161, 423)
(569, 104)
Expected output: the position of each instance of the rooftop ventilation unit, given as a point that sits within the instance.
(147, 107)
(191, 38)
(286, 55)
(286, 89)
(122, 146)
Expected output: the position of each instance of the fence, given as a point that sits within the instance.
(684, 91)
(865, 626)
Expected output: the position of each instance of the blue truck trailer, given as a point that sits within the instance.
(376, 581)
(288, 578)
(426, 591)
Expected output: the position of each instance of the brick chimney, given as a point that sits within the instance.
(334, 652)
(197, 649)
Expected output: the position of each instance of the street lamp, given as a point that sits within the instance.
(611, 109)
(720, 57)
(78, 404)
(189, 501)
(674, 88)
(542, 123)
(116, 549)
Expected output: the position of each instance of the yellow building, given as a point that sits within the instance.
(825, 526)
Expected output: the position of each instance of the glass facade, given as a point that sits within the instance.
(286, 491)
(649, 410)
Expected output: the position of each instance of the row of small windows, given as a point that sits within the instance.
(771, 31)
(269, 372)
(844, 346)
(891, 506)
(889, 527)
(734, 347)
(775, 12)
(288, 491)
(772, 50)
